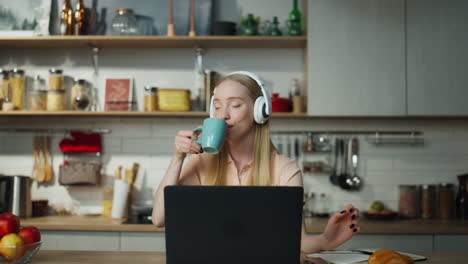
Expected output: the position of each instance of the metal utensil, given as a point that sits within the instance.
(335, 173)
(344, 175)
(354, 181)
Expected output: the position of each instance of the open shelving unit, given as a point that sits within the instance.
(128, 114)
(153, 42)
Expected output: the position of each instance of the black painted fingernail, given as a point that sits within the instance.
(201, 151)
(342, 212)
(353, 217)
(351, 226)
(351, 210)
(355, 230)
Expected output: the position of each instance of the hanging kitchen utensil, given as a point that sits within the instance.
(336, 169)
(344, 176)
(48, 169)
(354, 181)
(41, 166)
(36, 157)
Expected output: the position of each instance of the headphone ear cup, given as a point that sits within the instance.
(259, 107)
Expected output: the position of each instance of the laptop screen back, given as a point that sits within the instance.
(224, 224)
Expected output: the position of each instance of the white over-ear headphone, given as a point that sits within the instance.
(262, 105)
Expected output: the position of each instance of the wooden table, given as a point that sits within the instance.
(104, 257)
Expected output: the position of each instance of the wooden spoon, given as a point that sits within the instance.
(49, 171)
(36, 157)
(40, 167)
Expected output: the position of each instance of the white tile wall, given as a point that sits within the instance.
(150, 142)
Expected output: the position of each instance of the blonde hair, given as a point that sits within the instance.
(262, 144)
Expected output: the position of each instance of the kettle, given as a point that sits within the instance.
(15, 195)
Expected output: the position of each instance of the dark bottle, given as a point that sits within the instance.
(66, 19)
(80, 18)
(295, 21)
(461, 201)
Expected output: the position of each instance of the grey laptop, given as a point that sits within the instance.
(242, 225)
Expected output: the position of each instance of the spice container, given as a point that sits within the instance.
(79, 95)
(55, 79)
(17, 82)
(151, 99)
(428, 201)
(55, 100)
(409, 201)
(446, 201)
(7, 103)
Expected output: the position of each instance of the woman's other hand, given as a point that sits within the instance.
(184, 144)
(341, 227)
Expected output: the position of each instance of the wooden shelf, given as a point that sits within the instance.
(128, 114)
(153, 42)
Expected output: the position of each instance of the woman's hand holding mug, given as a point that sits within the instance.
(184, 144)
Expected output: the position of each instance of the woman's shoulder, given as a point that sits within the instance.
(283, 160)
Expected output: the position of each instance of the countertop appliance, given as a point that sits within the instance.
(15, 195)
(141, 216)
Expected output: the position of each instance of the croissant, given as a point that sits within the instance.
(388, 256)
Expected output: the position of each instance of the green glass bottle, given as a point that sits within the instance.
(295, 21)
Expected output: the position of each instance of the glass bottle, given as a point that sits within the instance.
(79, 95)
(55, 100)
(151, 99)
(124, 23)
(274, 28)
(18, 88)
(7, 102)
(80, 18)
(295, 21)
(66, 19)
(446, 201)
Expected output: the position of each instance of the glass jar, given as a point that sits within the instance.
(56, 79)
(428, 201)
(4, 80)
(446, 201)
(18, 88)
(79, 95)
(409, 201)
(55, 100)
(124, 23)
(37, 100)
(151, 99)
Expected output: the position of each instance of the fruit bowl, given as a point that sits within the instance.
(19, 254)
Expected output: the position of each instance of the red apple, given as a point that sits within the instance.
(9, 223)
(11, 246)
(30, 234)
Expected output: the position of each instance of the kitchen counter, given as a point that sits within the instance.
(86, 257)
(313, 225)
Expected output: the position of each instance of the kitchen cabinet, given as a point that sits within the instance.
(356, 58)
(104, 241)
(445, 243)
(437, 57)
(79, 240)
(142, 241)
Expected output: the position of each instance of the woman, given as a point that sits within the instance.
(242, 160)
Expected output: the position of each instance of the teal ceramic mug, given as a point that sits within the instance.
(212, 136)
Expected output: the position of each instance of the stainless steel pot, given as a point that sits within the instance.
(15, 195)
